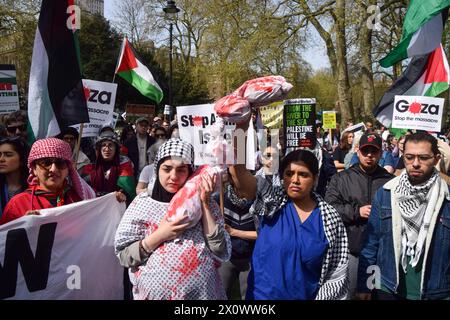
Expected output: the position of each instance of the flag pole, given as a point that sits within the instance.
(222, 205)
(77, 147)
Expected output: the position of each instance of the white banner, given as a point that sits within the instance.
(194, 124)
(64, 253)
(101, 100)
(418, 112)
(9, 95)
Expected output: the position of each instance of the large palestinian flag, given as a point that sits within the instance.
(426, 75)
(422, 30)
(137, 74)
(55, 97)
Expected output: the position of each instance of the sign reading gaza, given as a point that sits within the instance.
(101, 97)
(417, 112)
(299, 123)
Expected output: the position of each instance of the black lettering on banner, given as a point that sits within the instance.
(93, 96)
(103, 97)
(184, 121)
(431, 109)
(402, 106)
(99, 111)
(35, 268)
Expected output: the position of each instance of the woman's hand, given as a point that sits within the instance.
(169, 230)
(120, 196)
(207, 188)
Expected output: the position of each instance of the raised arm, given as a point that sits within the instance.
(243, 181)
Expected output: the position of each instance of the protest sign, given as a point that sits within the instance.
(9, 95)
(329, 119)
(272, 115)
(194, 124)
(64, 253)
(167, 109)
(299, 123)
(101, 97)
(418, 112)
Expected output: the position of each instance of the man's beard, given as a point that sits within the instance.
(421, 179)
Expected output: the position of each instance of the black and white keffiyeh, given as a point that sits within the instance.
(276, 181)
(416, 204)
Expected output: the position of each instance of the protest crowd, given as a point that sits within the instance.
(307, 211)
(273, 222)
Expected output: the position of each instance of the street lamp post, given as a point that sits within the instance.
(170, 11)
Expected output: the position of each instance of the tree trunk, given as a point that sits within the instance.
(365, 47)
(343, 83)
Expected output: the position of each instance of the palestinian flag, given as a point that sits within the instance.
(137, 74)
(125, 180)
(422, 30)
(55, 97)
(426, 75)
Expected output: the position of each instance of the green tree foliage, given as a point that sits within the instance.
(99, 47)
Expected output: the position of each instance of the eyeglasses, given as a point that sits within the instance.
(372, 150)
(46, 163)
(110, 146)
(269, 155)
(410, 158)
(13, 129)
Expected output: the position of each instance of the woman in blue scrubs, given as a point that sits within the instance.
(301, 251)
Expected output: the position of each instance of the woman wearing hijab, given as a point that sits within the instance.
(170, 259)
(111, 171)
(53, 181)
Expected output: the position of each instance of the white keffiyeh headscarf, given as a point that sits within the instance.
(416, 204)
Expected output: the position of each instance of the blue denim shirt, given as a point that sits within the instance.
(378, 249)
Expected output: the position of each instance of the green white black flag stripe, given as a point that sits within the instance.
(56, 97)
(422, 30)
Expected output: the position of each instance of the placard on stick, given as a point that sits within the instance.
(299, 123)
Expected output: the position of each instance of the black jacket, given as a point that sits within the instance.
(133, 152)
(349, 190)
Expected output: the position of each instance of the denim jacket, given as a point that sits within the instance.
(382, 246)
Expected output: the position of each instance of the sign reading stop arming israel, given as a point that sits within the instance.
(101, 97)
(418, 112)
(9, 96)
(65, 253)
(194, 124)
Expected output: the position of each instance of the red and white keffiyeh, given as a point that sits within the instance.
(56, 148)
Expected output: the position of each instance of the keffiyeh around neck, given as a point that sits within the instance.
(416, 208)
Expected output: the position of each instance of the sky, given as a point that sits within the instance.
(316, 55)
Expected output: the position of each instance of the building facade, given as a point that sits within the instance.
(93, 6)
